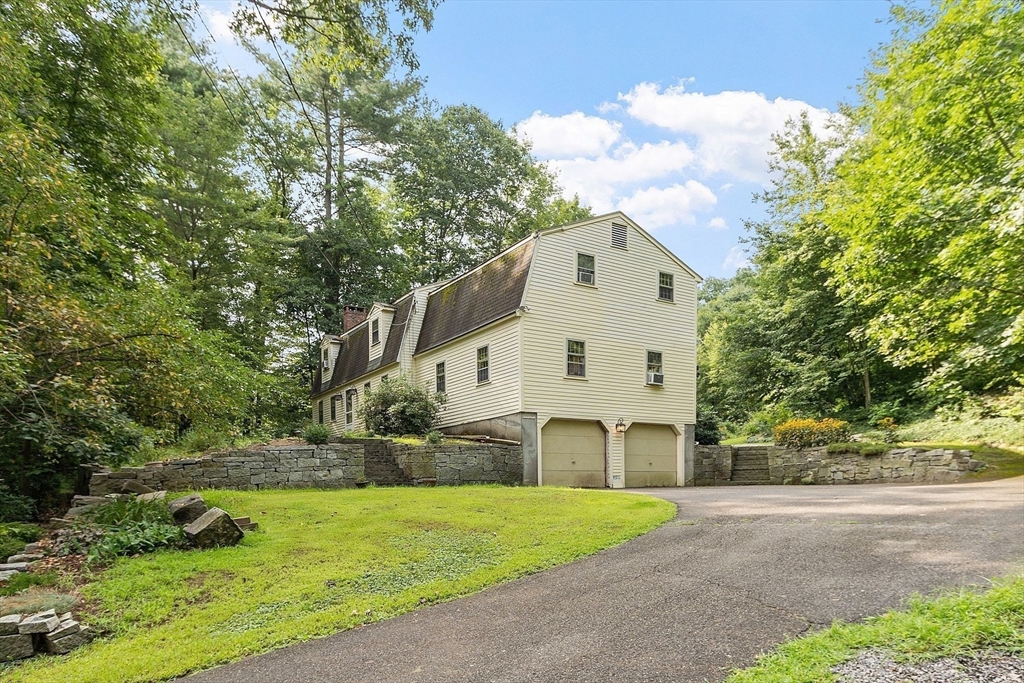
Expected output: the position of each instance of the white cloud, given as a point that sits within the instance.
(656, 207)
(597, 181)
(718, 223)
(733, 128)
(572, 135)
(219, 22)
(736, 258)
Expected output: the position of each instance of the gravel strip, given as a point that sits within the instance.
(876, 666)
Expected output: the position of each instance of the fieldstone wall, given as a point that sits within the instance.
(335, 465)
(713, 466)
(328, 466)
(452, 464)
(899, 465)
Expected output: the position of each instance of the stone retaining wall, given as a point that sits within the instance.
(334, 465)
(461, 463)
(713, 466)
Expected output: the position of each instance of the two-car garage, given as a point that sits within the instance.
(574, 453)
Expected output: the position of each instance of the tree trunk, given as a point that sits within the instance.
(866, 377)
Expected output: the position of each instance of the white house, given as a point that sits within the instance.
(580, 342)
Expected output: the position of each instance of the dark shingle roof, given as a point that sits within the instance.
(354, 359)
(487, 294)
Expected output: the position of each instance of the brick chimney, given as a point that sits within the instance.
(353, 316)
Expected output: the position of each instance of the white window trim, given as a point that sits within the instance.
(444, 371)
(565, 359)
(476, 364)
(646, 382)
(350, 394)
(576, 269)
(375, 321)
(657, 291)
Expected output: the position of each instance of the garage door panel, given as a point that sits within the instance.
(650, 456)
(573, 454)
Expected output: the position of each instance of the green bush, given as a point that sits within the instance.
(806, 433)
(316, 433)
(200, 439)
(399, 407)
(135, 538)
(707, 431)
(434, 437)
(857, 448)
(132, 511)
(14, 536)
(14, 507)
(765, 420)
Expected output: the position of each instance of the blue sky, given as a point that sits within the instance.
(661, 109)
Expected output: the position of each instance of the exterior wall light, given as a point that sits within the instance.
(620, 426)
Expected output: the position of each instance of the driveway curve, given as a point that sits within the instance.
(739, 570)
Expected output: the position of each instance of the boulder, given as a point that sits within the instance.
(187, 509)
(8, 575)
(24, 557)
(214, 528)
(67, 643)
(156, 495)
(15, 647)
(135, 486)
(9, 624)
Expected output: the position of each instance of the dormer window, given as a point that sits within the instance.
(375, 331)
(586, 269)
(326, 359)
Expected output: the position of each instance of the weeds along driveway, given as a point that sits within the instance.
(739, 570)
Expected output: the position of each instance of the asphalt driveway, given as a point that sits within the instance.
(739, 570)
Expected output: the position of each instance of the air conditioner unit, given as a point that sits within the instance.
(587, 278)
(655, 378)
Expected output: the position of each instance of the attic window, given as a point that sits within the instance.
(619, 236)
(375, 331)
(327, 359)
(666, 287)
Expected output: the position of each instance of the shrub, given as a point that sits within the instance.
(765, 420)
(14, 536)
(889, 429)
(434, 437)
(14, 507)
(316, 433)
(707, 431)
(857, 448)
(132, 511)
(399, 407)
(199, 439)
(806, 433)
(134, 538)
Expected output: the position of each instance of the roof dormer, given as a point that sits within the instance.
(330, 347)
(379, 320)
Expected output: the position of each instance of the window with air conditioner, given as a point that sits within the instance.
(586, 272)
(655, 370)
(483, 365)
(575, 358)
(666, 287)
(327, 359)
(439, 378)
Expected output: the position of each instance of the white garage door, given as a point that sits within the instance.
(650, 456)
(572, 452)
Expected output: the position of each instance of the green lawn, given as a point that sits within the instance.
(325, 561)
(957, 624)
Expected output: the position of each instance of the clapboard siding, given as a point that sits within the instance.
(337, 427)
(619, 319)
(467, 400)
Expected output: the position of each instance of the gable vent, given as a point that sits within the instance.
(618, 236)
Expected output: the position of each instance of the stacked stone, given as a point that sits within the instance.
(455, 463)
(711, 465)
(899, 465)
(20, 562)
(327, 466)
(23, 636)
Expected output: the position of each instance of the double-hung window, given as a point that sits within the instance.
(666, 287)
(375, 331)
(575, 358)
(327, 359)
(439, 378)
(320, 412)
(334, 408)
(366, 387)
(586, 272)
(350, 407)
(655, 370)
(483, 365)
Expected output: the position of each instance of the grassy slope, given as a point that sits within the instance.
(325, 561)
(957, 624)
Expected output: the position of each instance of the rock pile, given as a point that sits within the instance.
(23, 636)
